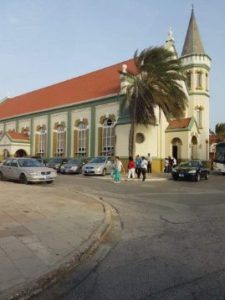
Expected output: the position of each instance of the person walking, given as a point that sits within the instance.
(149, 167)
(170, 164)
(131, 168)
(144, 165)
(138, 166)
(174, 162)
(118, 166)
(166, 165)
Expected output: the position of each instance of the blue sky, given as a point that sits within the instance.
(43, 42)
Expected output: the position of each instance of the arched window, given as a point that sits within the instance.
(60, 148)
(194, 143)
(188, 80)
(82, 140)
(108, 137)
(176, 148)
(41, 141)
(59, 139)
(25, 130)
(199, 80)
(199, 120)
(206, 82)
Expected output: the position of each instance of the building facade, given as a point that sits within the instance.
(81, 116)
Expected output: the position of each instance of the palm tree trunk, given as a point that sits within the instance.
(131, 140)
(131, 136)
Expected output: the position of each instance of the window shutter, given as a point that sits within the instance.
(99, 140)
(64, 146)
(54, 144)
(87, 143)
(75, 142)
(37, 141)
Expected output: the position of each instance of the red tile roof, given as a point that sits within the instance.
(18, 136)
(179, 123)
(100, 83)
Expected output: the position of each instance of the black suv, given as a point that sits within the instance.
(56, 163)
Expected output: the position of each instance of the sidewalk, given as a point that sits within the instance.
(149, 177)
(43, 234)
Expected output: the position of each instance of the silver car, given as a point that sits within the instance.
(26, 170)
(100, 165)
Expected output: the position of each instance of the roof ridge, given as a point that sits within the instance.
(87, 87)
(68, 80)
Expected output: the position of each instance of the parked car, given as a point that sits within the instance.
(100, 165)
(73, 166)
(191, 169)
(42, 160)
(26, 170)
(56, 163)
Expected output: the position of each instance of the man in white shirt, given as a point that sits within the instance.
(144, 165)
(149, 167)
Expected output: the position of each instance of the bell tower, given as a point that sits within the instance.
(197, 67)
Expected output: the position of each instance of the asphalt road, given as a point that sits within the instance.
(167, 242)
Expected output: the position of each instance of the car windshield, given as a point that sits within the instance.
(55, 160)
(191, 163)
(98, 160)
(74, 161)
(28, 163)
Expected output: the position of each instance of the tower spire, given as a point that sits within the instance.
(193, 43)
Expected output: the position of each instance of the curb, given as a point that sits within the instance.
(36, 287)
(137, 180)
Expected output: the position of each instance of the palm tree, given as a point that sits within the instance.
(220, 131)
(156, 84)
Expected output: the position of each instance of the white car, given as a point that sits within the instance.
(100, 165)
(26, 170)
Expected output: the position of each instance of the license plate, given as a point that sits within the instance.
(181, 175)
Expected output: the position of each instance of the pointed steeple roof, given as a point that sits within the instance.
(193, 43)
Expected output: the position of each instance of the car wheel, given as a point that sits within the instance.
(206, 176)
(49, 182)
(103, 172)
(2, 178)
(198, 177)
(175, 177)
(23, 179)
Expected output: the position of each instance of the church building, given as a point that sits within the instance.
(82, 117)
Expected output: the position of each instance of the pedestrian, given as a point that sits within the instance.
(144, 165)
(170, 164)
(131, 168)
(118, 166)
(138, 166)
(166, 165)
(149, 167)
(174, 162)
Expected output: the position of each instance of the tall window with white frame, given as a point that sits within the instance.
(199, 116)
(108, 137)
(199, 80)
(206, 82)
(42, 141)
(189, 80)
(60, 141)
(82, 139)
